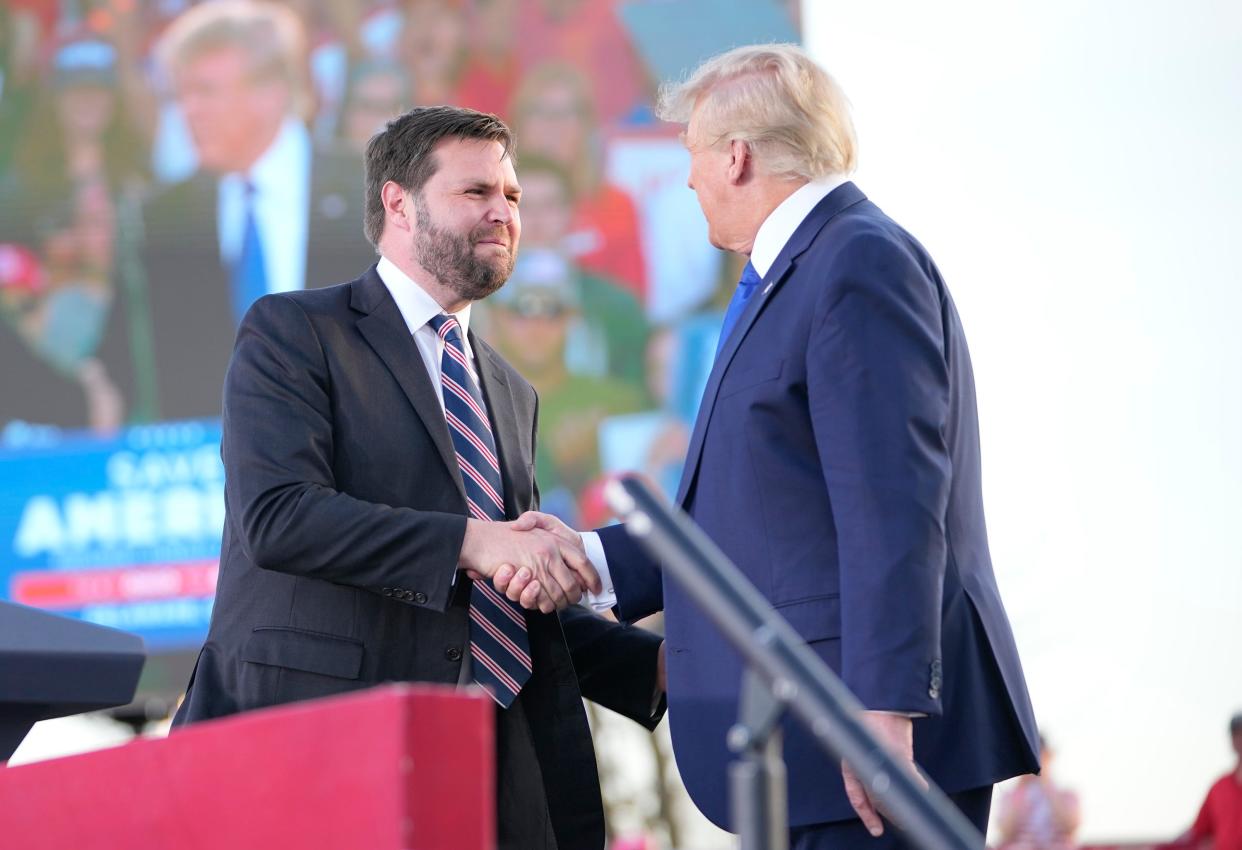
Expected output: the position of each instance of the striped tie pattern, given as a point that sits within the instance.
(499, 646)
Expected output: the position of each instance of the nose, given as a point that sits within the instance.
(501, 212)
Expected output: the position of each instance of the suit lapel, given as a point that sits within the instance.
(387, 334)
(834, 202)
(499, 399)
(767, 286)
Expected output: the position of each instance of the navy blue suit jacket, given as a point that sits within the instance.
(835, 460)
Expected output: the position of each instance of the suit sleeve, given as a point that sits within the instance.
(636, 577)
(615, 663)
(877, 386)
(279, 487)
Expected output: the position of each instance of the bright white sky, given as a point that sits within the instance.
(1076, 170)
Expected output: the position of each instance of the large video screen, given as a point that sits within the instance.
(156, 178)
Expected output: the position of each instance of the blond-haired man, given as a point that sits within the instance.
(264, 213)
(835, 460)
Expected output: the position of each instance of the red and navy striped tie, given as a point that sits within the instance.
(499, 646)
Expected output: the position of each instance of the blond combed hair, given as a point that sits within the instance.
(269, 35)
(775, 98)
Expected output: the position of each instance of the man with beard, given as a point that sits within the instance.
(374, 448)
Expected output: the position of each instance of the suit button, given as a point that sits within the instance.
(407, 595)
(452, 654)
(420, 598)
(388, 591)
(933, 692)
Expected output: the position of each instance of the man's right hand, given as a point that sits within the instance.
(557, 573)
(514, 582)
(896, 733)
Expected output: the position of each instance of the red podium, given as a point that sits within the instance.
(399, 767)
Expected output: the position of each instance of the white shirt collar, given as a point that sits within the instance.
(287, 153)
(416, 305)
(779, 226)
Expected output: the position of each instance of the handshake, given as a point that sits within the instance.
(536, 560)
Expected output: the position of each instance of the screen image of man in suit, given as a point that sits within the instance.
(375, 450)
(263, 213)
(835, 459)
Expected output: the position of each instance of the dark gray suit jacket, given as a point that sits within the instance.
(345, 514)
(171, 336)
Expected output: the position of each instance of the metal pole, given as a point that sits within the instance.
(758, 798)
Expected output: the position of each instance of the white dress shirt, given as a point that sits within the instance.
(281, 178)
(777, 229)
(418, 309)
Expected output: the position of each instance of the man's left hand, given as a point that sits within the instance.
(896, 734)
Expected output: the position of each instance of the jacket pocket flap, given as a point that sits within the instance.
(817, 618)
(748, 376)
(312, 652)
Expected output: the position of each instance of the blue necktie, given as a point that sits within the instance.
(499, 646)
(741, 297)
(249, 272)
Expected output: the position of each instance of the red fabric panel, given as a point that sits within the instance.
(395, 768)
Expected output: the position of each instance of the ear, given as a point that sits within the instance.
(741, 161)
(396, 208)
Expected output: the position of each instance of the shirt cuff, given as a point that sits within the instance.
(913, 715)
(607, 599)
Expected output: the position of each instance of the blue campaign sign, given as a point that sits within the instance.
(124, 532)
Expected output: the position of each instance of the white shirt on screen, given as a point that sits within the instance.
(281, 178)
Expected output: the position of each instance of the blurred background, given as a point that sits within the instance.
(1072, 167)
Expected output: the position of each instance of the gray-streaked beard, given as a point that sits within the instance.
(450, 258)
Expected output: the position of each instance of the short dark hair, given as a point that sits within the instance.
(1235, 724)
(403, 152)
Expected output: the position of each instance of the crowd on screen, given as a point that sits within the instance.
(146, 201)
